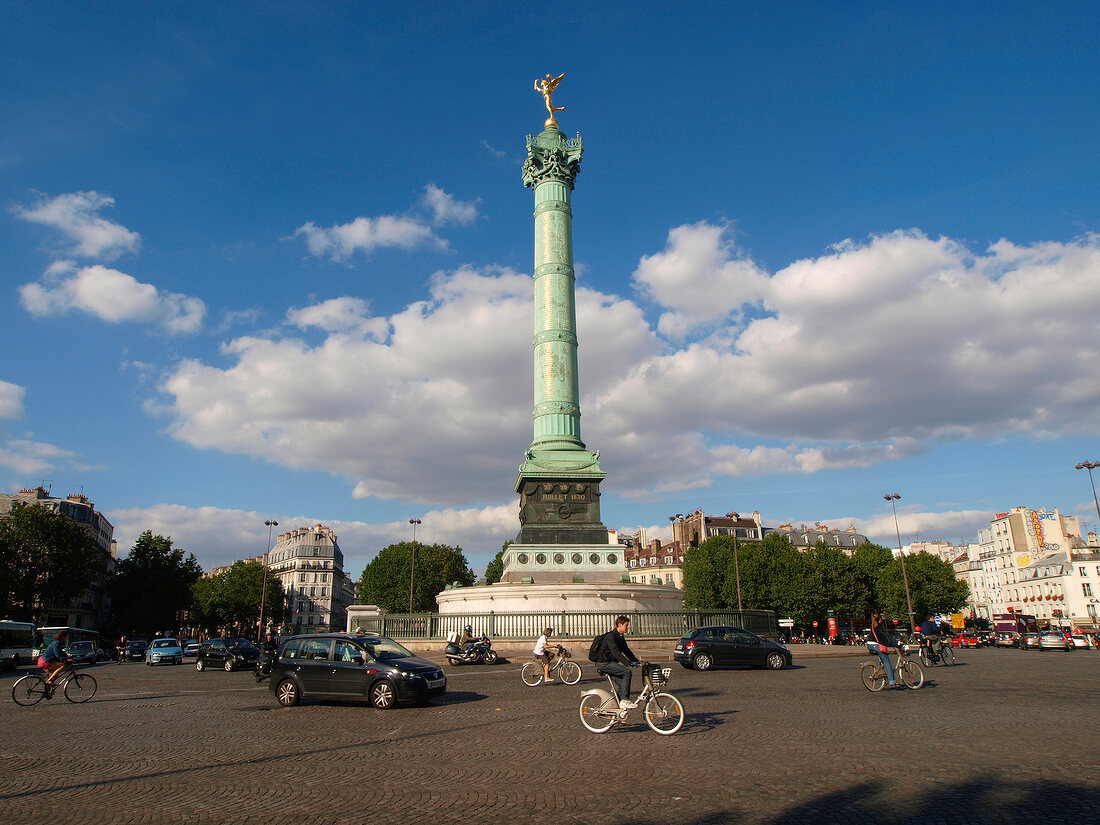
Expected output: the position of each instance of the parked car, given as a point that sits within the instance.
(164, 651)
(1052, 640)
(969, 640)
(1008, 639)
(85, 653)
(228, 654)
(987, 637)
(361, 667)
(1031, 640)
(1080, 641)
(135, 650)
(706, 647)
(190, 647)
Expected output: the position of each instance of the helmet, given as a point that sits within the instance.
(469, 627)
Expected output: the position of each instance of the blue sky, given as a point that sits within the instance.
(273, 261)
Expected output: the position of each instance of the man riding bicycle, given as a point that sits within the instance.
(930, 635)
(615, 658)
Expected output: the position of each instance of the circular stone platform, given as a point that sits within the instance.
(556, 597)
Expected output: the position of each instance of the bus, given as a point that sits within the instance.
(16, 644)
(76, 634)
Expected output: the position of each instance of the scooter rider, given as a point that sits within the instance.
(467, 639)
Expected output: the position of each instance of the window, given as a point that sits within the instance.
(1087, 588)
(317, 649)
(633, 563)
(302, 577)
(668, 578)
(668, 559)
(1084, 571)
(324, 591)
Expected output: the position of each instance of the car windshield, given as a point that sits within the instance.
(239, 643)
(80, 646)
(384, 648)
(139, 644)
(166, 643)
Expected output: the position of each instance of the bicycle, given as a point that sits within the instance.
(32, 688)
(567, 671)
(940, 654)
(873, 673)
(664, 713)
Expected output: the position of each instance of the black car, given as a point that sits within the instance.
(85, 653)
(227, 654)
(135, 650)
(345, 666)
(708, 647)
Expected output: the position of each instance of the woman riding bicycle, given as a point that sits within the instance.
(53, 658)
(880, 644)
(542, 655)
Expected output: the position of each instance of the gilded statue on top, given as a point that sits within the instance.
(546, 88)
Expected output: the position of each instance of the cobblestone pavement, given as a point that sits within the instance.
(1005, 737)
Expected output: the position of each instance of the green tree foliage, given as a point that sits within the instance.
(44, 558)
(385, 581)
(151, 585)
(932, 586)
(494, 570)
(233, 598)
(705, 569)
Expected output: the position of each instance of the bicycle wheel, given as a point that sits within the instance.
(948, 656)
(80, 688)
(597, 714)
(925, 659)
(911, 675)
(531, 674)
(30, 690)
(664, 713)
(570, 673)
(873, 676)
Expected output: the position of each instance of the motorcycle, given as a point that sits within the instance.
(479, 651)
(263, 667)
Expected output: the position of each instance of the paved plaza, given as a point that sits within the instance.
(1004, 737)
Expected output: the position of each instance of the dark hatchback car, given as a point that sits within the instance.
(135, 650)
(709, 647)
(342, 666)
(227, 654)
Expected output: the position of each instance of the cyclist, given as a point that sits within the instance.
(615, 658)
(540, 652)
(880, 644)
(54, 657)
(930, 635)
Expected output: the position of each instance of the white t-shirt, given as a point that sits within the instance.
(540, 645)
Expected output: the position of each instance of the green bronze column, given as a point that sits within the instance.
(559, 479)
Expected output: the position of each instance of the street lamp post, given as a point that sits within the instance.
(892, 497)
(1090, 466)
(263, 590)
(736, 564)
(412, 569)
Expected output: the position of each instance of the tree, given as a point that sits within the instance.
(45, 558)
(152, 584)
(385, 581)
(932, 586)
(232, 598)
(494, 570)
(705, 568)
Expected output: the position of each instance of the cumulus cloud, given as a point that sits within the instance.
(11, 400)
(112, 296)
(219, 536)
(341, 241)
(76, 216)
(26, 457)
(871, 352)
(925, 524)
(446, 208)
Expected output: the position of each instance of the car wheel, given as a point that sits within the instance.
(775, 661)
(200, 665)
(702, 661)
(228, 665)
(382, 695)
(286, 693)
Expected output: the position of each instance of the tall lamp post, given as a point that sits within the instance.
(263, 590)
(892, 497)
(412, 569)
(1090, 466)
(736, 564)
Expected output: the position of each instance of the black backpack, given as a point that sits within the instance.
(594, 650)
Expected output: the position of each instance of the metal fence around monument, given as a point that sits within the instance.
(566, 624)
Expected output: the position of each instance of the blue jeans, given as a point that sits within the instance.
(886, 663)
(620, 671)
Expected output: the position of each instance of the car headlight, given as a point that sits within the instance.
(410, 675)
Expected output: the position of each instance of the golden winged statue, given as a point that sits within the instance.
(546, 88)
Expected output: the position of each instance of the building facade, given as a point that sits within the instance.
(90, 609)
(309, 564)
(655, 563)
(695, 528)
(803, 537)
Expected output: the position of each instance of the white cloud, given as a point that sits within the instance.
(869, 353)
(341, 241)
(76, 216)
(220, 536)
(446, 208)
(112, 296)
(11, 400)
(950, 525)
(27, 457)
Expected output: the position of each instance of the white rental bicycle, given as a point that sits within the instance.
(663, 712)
(560, 666)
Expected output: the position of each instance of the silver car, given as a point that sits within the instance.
(1054, 641)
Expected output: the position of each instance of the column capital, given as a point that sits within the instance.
(551, 156)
